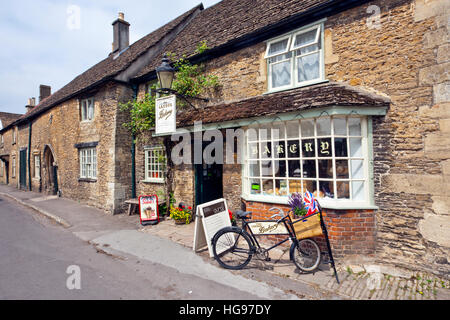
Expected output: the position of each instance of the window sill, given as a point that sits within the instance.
(306, 84)
(335, 205)
(153, 180)
(87, 180)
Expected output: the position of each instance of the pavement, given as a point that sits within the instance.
(171, 245)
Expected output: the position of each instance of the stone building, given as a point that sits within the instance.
(347, 99)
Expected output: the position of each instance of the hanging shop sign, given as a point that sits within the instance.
(211, 217)
(148, 209)
(165, 112)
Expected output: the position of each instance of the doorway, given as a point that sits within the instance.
(50, 178)
(23, 169)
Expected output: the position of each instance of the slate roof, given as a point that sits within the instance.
(8, 118)
(321, 95)
(228, 21)
(108, 68)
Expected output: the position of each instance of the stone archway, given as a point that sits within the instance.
(50, 172)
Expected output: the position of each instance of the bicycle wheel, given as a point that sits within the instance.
(305, 254)
(232, 248)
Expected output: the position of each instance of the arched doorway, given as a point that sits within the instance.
(50, 172)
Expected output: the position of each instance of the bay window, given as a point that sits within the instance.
(295, 59)
(327, 156)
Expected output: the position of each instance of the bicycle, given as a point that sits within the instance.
(234, 247)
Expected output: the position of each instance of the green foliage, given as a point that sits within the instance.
(142, 113)
(189, 81)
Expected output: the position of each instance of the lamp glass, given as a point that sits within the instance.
(165, 79)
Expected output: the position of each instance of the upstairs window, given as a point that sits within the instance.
(87, 109)
(295, 59)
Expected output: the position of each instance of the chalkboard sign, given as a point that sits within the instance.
(211, 217)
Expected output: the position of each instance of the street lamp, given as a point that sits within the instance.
(165, 74)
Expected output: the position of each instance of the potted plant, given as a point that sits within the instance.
(297, 205)
(181, 215)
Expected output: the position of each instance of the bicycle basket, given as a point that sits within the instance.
(307, 227)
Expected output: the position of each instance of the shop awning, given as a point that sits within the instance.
(330, 98)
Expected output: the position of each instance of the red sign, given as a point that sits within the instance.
(148, 209)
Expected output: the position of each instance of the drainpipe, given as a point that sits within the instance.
(133, 153)
(29, 157)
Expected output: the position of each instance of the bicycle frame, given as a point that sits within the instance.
(287, 222)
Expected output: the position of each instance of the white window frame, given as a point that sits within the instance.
(88, 163)
(37, 166)
(2, 168)
(294, 83)
(87, 109)
(13, 167)
(324, 201)
(154, 171)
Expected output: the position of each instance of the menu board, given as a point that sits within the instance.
(211, 217)
(148, 209)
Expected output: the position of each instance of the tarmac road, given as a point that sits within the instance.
(40, 260)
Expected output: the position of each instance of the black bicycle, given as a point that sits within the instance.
(234, 247)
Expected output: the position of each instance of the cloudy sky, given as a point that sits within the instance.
(52, 41)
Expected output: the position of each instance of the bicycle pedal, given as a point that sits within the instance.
(268, 259)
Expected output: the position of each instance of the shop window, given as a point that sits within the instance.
(295, 59)
(88, 163)
(154, 164)
(87, 109)
(326, 156)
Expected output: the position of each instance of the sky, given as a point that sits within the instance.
(51, 42)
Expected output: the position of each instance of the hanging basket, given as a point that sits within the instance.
(307, 227)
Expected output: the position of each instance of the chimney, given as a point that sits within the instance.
(31, 104)
(121, 34)
(44, 92)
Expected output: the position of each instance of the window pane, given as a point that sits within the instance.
(292, 129)
(279, 149)
(323, 127)
(278, 47)
(280, 168)
(266, 150)
(252, 134)
(265, 133)
(357, 169)
(253, 170)
(343, 190)
(355, 147)
(268, 186)
(278, 131)
(307, 128)
(253, 150)
(295, 186)
(294, 168)
(255, 186)
(340, 147)
(306, 38)
(354, 126)
(309, 185)
(308, 148)
(326, 189)
(281, 74)
(308, 67)
(325, 147)
(358, 191)
(266, 168)
(342, 169)
(280, 187)
(309, 168)
(340, 126)
(325, 169)
(293, 149)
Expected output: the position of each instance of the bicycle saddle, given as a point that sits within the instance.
(243, 214)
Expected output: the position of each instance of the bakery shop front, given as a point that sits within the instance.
(316, 139)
